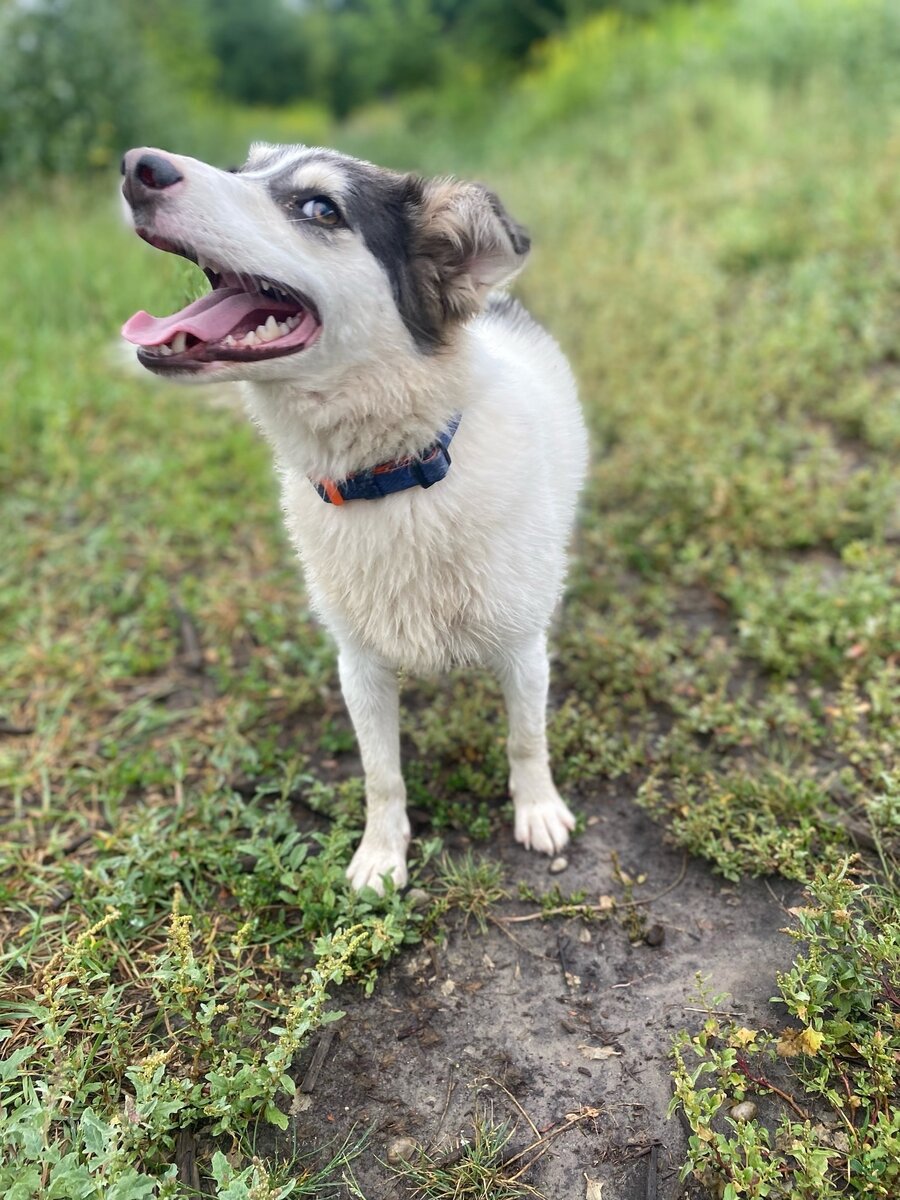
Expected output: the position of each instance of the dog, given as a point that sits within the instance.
(426, 431)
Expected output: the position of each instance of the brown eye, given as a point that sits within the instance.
(321, 210)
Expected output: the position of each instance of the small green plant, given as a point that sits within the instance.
(288, 1181)
(478, 1169)
(554, 902)
(832, 1080)
(180, 996)
(471, 885)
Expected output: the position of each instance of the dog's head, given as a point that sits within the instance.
(318, 262)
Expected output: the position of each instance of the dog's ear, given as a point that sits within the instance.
(465, 243)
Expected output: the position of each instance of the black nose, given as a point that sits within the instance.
(156, 172)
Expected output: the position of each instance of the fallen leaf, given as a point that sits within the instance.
(788, 1045)
(597, 1053)
(744, 1037)
(594, 1189)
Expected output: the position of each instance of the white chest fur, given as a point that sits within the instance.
(431, 578)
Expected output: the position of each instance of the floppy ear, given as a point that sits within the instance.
(465, 244)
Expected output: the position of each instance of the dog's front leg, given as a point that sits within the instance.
(543, 820)
(372, 697)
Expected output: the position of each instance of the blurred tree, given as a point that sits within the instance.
(261, 49)
(364, 49)
(502, 32)
(76, 85)
(80, 79)
(175, 35)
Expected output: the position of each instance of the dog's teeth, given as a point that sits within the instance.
(271, 330)
(164, 350)
(229, 341)
(264, 284)
(250, 339)
(179, 343)
(283, 328)
(292, 322)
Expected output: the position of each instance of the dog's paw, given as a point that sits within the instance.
(543, 824)
(372, 862)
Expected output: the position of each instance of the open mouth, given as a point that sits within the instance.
(245, 318)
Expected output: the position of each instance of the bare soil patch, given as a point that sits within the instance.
(545, 1021)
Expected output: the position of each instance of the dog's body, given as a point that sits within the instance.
(403, 337)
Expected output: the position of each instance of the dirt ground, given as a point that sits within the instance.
(506, 1022)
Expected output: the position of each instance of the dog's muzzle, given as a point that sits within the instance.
(244, 318)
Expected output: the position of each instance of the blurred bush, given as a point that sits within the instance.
(64, 89)
(612, 58)
(220, 131)
(80, 80)
(783, 42)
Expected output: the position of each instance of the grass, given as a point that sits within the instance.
(480, 1169)
(717, 249)
(471, 886)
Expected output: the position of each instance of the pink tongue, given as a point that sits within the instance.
(210, 318)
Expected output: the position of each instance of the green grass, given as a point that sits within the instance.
(716, 246)
(480, 1168)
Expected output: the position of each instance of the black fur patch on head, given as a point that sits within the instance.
(379, 205)
(442, 244)
(382, 206)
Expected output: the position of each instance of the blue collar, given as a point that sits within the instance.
(421, 470)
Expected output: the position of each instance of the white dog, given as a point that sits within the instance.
(357, 305)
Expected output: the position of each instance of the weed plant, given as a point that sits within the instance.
(832, 1128)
